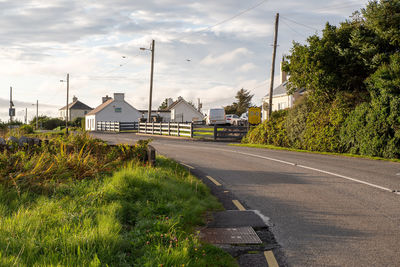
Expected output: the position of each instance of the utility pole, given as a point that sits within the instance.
(37, 114)
(66, 111)
(11, 110)
(271, 88)
(151, 77)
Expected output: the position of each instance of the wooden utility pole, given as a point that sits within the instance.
(151, 80)
(11, 110)
(37, 114)
(67, 117)
(271, 88)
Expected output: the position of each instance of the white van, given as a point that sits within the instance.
(215, 116)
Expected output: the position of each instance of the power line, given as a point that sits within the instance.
(234, 16)
(298, 23)
(291, 28)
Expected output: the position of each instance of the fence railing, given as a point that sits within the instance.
(116, 126)
(218, 132)
(167, 128)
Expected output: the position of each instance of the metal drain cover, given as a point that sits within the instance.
(239, 235)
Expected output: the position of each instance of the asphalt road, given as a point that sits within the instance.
(325, 210)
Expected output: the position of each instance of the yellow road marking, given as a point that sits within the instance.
(238, 205)
(186, 165)
(269, 256)
(213, 180)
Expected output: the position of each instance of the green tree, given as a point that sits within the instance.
(164, 104)
(243, 98)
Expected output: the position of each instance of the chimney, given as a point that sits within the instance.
(169, 102)
(105, 98)
(119, 97)
(283, 73)
(74, 99)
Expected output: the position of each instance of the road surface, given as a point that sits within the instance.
(325, 210)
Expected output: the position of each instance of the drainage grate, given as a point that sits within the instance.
(240, 235)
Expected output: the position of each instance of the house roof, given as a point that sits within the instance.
(77, 105)
(181, 100)
(282, 90)
(101, 107)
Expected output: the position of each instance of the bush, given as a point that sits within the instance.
(272, 132)
(26, 129)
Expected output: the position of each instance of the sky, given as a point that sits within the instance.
(203, 49)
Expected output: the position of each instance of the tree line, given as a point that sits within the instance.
(351, 74)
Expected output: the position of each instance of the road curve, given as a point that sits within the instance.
(325, 210)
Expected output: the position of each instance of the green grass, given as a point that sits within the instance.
(139, 216)
(314, 152)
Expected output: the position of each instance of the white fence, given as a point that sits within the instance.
(116, 126)
(167, 128)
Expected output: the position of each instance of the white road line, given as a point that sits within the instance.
(308, 168)
(347, 178)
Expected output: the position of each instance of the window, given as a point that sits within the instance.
(281, 105)
(118, 110)
(85, 112)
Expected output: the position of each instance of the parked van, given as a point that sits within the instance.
(215, 116)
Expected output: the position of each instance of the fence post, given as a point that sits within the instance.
(215, 132)
(152, 127)
(169, 128)
(178, 130)
(191, 130)
(160, 128)
(119, 127)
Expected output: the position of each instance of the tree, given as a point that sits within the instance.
(164, 104)
(243, 98)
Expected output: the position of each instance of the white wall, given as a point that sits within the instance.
(127, 114)
(90, 123)
(182, 112)
(278, 103)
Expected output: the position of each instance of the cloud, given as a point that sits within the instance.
(228, 57)
(43, 40)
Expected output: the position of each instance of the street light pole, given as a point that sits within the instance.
(66, 111)
(151, 77)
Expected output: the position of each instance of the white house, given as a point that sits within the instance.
(112, 109)
(76, 109)
(182, 111)
(280, 98)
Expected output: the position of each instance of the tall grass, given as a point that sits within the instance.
(62, 159)
(139, 216)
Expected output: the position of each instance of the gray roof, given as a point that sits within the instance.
(280, 90)
(77, 105)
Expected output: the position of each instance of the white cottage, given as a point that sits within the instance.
(76, 109)
(112, 109)
(280, 98)
(182, 111)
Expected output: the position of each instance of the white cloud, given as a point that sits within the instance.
(225, 58)
(43, 40)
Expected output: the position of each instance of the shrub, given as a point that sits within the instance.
(271, 132)
(26, 129)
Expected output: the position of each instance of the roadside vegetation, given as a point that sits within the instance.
(352, 79)
(75, 201)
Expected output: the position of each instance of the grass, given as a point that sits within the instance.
(314, 152)
(139, 216)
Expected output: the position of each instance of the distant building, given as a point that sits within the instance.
(112, 109)
(182, 111)
(76, 109)
(280, 98)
